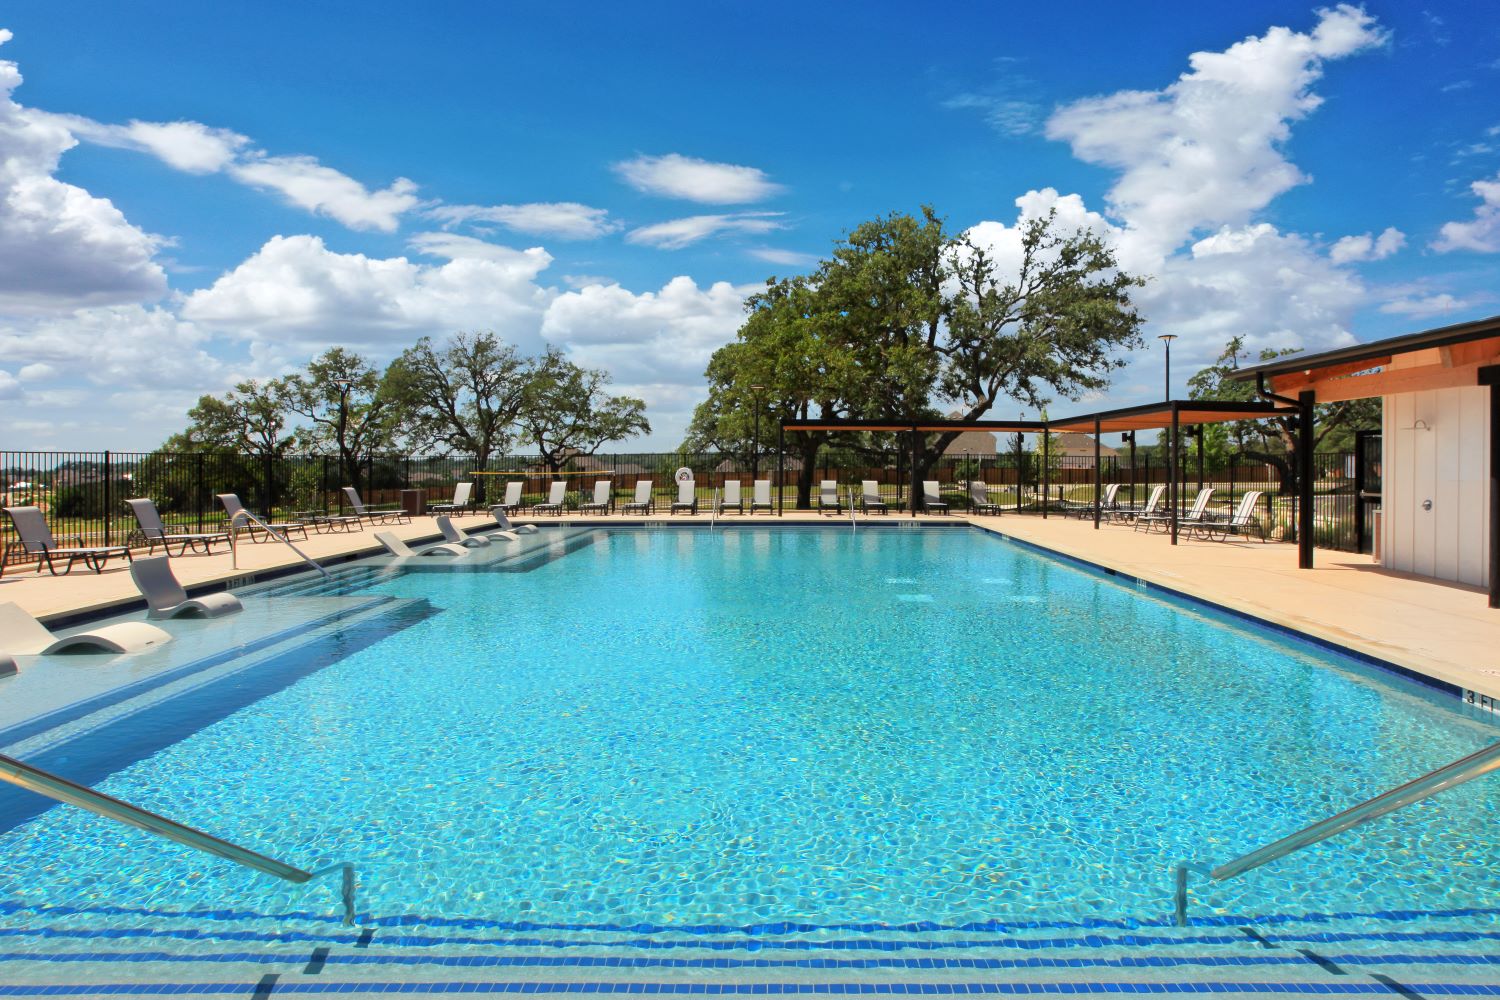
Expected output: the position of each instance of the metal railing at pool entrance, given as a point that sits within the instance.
(60, 789)
(1475, 765)
(234, 535)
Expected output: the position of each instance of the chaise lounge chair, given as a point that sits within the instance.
(463, 499)
(556, 500)
(687, 498)
(979, 499)
(760, 496)
(1124, 514)
(166, 598)
(457, 536)
(1243, 521)
(385, 514)
(239, 520)
(869, 498)
(828, 496)
(401, 550)
(36, 540)
(1195, 515)
(506, 528)
(643, 503)
(603, 498)
(932, 496)
(25, 636)
(1085, 510)
(511, 504)
(733, 497)
(155, 533)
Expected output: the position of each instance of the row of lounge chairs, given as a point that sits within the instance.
(1198, 520)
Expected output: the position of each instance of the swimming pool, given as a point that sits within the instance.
(755, 727)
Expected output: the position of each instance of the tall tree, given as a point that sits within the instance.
(567, 410)
(1274, 440)
(340, 397)
(904, 316)
(250, 419)
(465, 395)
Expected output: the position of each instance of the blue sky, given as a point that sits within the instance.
(215, 192)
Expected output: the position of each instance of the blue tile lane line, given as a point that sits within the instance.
(289, 987)
(631, 962)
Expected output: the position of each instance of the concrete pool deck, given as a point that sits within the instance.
(1441, 630)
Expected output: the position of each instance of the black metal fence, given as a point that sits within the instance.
(83, 493)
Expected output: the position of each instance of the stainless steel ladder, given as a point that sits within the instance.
(1475, 765)
(60, 789)
(234, 551)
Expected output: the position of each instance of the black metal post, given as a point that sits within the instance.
(198, 490)
(914, 471)
(780, 467)
(108, 489)
(270, 494)
(1305, 401)
(1173, 494)
(1359, 485)
(1132, 467)
(1019, 464)
(1098, 475)
(1198, 433)
(1046, 469)
(1491, 377)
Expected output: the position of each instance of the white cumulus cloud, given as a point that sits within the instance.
(1480, 234)
(1206, 151)
(191, 147)
(567, 220)
(1367, 246)
(678, 176)
(60, 246)
(678, 233)
(1423, 306)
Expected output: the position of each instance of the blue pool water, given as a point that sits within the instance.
(685, 728)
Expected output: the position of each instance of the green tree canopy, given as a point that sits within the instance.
(339, 396)
(567, 410)
(465, 395)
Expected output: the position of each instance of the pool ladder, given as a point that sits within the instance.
(60, 789)
(234, 551)
(1475, 765)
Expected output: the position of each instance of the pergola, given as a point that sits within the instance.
(1171, 415)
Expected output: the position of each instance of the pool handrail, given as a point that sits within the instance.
(1465, 769)
(60, 789)
(234, 552)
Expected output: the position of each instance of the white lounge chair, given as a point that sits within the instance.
(828, 496)
(1195, 514)
(452, 533)
(760, 497)
(25, 636)
(1243, 521)
(397, 547)
(1151, 506)
(643, 503)
(149, 520)
(166, 598)
(239, 520)
(384, 514)
(979, 498)
(557, 497)
(932, 496)
(869, 498)
(603, 498)
(511, 503)
(687, 498)
(733, 497)
(1107, 503)
(463, 498)
(36, 540)
(506, 528)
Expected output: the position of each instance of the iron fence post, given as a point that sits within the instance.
(198, 490)
(108, 485)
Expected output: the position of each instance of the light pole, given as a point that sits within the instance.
(755, 442)
(1167, 338)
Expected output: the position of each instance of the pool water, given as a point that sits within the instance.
(687, 728)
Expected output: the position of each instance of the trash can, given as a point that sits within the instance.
(413, 502)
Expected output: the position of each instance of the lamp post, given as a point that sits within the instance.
(1167, 338)
(755, 442)
(1129, 436)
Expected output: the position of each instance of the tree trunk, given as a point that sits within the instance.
(1285, 466)
(806, 474)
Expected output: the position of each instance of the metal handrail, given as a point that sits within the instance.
(713, 511)
(234, 552)
(34, 779)
(1475, 765)
(853, 524)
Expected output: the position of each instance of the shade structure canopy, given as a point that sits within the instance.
(1144, 417)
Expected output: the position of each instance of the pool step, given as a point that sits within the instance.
(62, 947)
